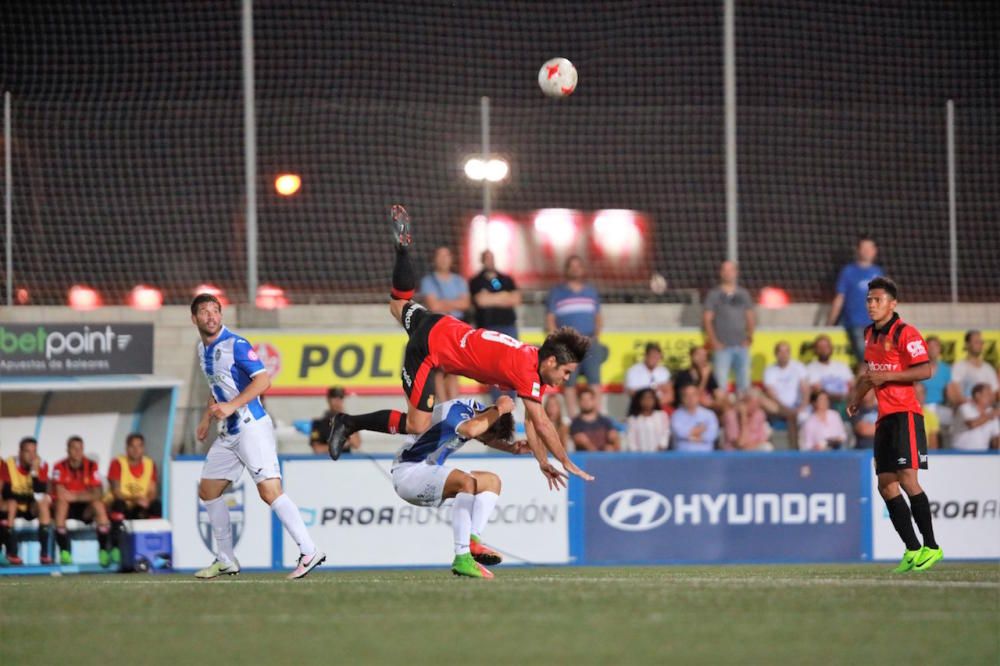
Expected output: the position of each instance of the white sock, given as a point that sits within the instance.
(218, 517)
(291, 518)
(482, 510)
(461, 521)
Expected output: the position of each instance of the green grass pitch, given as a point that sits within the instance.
(808, 614)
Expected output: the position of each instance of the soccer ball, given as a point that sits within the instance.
(557, 78)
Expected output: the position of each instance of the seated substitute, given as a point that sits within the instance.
(77, 486)
(134, 489)
(25, 481)
(319, 433)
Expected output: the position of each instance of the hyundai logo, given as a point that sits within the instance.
(635, 510)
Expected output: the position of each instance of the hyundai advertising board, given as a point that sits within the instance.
(723, 508)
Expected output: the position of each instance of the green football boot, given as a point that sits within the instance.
(65, 557)
(464, 565)
(908, 561)
(927, 558)
(217, 568)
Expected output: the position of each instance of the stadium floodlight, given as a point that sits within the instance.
(493, 170)
(287, 184)
(557, 227)
(270, 297)
(82, 297)
(617, 233)
(208, 288)
(144, 297)
(774, 298)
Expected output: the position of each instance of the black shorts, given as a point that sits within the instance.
(82, 511)
(900, 443)
(27, 505)
(122, 510)
(418, 366)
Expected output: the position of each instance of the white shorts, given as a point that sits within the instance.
(419, 483)
(253, 448)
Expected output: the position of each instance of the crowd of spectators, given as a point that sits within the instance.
(74, 489)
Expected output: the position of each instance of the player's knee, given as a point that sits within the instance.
(488, 482)
(269, 492)
(417, 422)
(467, 484)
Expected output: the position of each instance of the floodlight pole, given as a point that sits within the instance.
(484, 122)
(8, 199)
(952, 200)
(729, 92)
(250, 150)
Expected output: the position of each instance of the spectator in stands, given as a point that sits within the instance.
(591, 430)
(824, 429)
(745, 425)
(972, 370)
(939, 386)
(319, 433)
(445, 292)
(650, 373)
(977, 422)
(850, 303)
(786, 388)
(932, 423)
(728, 319)
(693, 427)
(495, 298)
(576, 303)
(134, 490)
(553, 409)
(25, 481)
(864, 422)
(77, 486)
(828, 375)
(647, 428)
(699, 374)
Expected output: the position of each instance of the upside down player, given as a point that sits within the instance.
(439, 342)
(421, 477)
(896, 356)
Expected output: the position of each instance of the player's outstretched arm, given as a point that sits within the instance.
(482, 422)
(538, 426)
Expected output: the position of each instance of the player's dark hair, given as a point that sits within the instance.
(502, 428)
(635, 405)
(886, 285)
(134, 435)
(979, 388)
(25, 441)
(567, 344)
(204, 298)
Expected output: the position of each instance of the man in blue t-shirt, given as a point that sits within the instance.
(850, 304)
(445, 292)
(576, 303)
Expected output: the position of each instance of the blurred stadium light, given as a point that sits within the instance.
(270, 297)
(287, 184)
(144, 297)
(82, 297)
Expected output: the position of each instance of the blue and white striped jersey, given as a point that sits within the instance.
(441, 439)
(229, 364)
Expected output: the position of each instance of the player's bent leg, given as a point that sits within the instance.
(462, 487)
(487, 494)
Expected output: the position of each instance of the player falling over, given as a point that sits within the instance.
(439, 342)
(896, 356)
(237, 378)
(421, 477)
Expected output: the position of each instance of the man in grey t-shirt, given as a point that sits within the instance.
(729, 322)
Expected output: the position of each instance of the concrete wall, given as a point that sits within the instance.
(174, 354)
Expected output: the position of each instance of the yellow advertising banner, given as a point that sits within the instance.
(308, 362)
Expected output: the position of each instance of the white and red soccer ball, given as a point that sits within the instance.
(557, 78)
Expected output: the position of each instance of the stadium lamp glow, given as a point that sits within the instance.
(287, 184)
(493, 170)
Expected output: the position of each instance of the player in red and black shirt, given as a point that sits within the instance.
(441, 343)
(77, 489)
(896, 358)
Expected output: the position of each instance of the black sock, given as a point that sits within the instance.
(8, 539)
(404, 280)
(104, 537)
(921, 507)
(62, 539)
(386, 420)
(116, 533)
(899, 514)
(43, 539)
